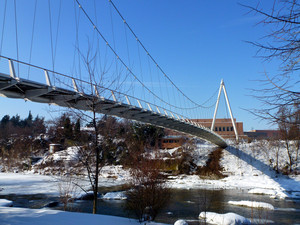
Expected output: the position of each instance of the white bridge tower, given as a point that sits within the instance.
(222, 87)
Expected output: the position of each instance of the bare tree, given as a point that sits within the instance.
(276, 146)
(93, 153)
(289, 129)
(280, 43)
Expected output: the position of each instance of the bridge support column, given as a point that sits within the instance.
(222, 86)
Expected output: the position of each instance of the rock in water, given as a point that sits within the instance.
(180, 222)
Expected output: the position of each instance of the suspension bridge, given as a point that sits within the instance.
(120, 80)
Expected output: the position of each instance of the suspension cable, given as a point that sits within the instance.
(31, 44)
(147, 52)
(58, 20)
(4, 17)
(51, 38)
(16, 28)
(122, 61)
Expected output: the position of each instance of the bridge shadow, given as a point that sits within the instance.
(285, 182)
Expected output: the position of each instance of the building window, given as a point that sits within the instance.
(223, 128)
(171, 141)
(227, 128)
(220, 128)
(216, 129)
(231, 128)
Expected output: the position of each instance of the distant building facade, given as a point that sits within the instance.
(171, 141)
(223, 127)
(263, 134)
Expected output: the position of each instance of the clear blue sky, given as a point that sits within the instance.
(197, 43)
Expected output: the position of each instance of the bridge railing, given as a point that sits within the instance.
(25, 71)
(22, 71)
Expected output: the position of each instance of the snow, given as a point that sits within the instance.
(180, 222)
(17, 183)
(120, 195)
(23, 216)
(5, 203)
(224, 219)
(273, 193)
(252, 204)
(247, 167)
(70, 154)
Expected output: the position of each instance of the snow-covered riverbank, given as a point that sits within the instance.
(245, 169)
(22, 216)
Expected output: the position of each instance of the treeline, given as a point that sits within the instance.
(122, 141)
(15, 126)
(18, 140)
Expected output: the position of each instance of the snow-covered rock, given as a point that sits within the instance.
(252, 204)
(273, 193)
(120, 195)
(180, 222)
(5, 203)
(70, 154)
(86, 196)
(224, 219)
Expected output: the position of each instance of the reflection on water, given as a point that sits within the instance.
(184, 204)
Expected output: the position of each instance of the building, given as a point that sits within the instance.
(263, 134)
(171, 141)
(223, 127)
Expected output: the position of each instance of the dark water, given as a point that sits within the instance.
(184, 204)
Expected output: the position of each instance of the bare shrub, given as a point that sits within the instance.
(212, 168)
(67, 190)
(148, 193)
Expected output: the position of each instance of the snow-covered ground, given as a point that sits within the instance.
(22, 216)
(246, 169)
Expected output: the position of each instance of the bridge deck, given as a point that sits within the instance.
(13, 87)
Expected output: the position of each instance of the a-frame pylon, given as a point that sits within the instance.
(222, 87)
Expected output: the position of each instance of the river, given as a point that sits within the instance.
(184, 204)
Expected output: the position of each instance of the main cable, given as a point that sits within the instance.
(122, 62)
(16, 28)
(31, 44)
(198, 105)
(4, 16)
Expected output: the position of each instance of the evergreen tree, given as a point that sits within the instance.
(5, 120)
(15, 120)
(29, 120)
(77, 129)
(68, 129)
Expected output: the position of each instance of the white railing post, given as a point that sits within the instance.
(96, 91)
(172, 115)
(140, 105)
(149, 107)
(75, 85)
(48, 81)
(12, 69)
(113, 95)
(127, 99)
(166, 113)
(158, 109)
